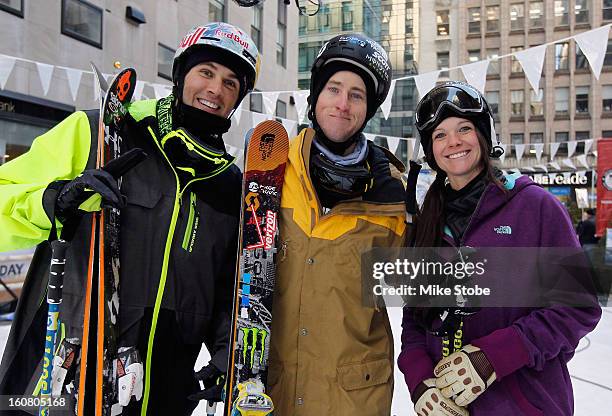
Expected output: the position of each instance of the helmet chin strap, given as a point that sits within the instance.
(496, 150)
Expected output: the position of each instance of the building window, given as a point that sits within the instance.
(561, 56)
(303, 84)
(516, 101)
(474, 20)
(537, 102)
(606, 134)
(12, 6)
(515, 64)
(536, 138)
(492, 18)
(281, 38)
(82, 21)
(606, 96)
(442, 20)
(303, 24)
(582, 11)
(493, 100)
(536, 14)
(324, 18)
(608, 58)
(256, 102)
(307, 54)
(562, 100)
(517, 17)
(408, 56)
(581, 61)
(409, 21)
(281, 109)
(582, 100)
(517, 138)
(216, 11)
(492, 55)
(562, 137)
(581, 136)
(474, 55)
(165, 57)
(257, 25)
(561, 13)
(347, 15)
(607, 9)
(443, 60)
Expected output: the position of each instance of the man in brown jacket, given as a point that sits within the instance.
(330, 354)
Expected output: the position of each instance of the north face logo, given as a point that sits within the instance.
(503, 229)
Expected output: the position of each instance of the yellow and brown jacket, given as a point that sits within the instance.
(330, 354)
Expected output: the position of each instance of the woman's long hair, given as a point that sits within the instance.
(429, 223)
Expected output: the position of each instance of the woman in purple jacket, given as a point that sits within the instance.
(496, 361)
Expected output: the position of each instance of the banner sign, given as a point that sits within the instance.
(604, 186)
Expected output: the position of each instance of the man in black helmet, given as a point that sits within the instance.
(342, 195)
(179, 230)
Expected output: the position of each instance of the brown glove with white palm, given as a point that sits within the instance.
(431, 402)
(464, 375)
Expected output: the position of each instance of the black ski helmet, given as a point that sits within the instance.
(458, 99)
(364, 56)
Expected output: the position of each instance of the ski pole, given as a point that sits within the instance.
(54, 299)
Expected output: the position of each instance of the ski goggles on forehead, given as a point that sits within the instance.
(464, 100)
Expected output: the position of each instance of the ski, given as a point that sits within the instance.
(265, 160)
(104, 250)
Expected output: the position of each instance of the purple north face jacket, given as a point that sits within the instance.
(529, 348)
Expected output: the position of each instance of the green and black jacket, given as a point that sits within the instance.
(178, 243)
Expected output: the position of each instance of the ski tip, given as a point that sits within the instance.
(101, 80)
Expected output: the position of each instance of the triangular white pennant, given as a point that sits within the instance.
(569, 164)
(593, 45)
(289, 125)
(425, 82)
(555, 165)
(554, 147)
(138, 90)
(45, 72)
(519, 150)
(539, 149)
(269, 101)
(566, 175)
(587, 146)
(238, 112)
(393, 143)
(258, 118)
(582, 159)
(161, 90)
(571, 148)
(476, 74)
(503, 156)
(541, 167)
(74, 81)
(369, 136)
(594, 153)
(301, 103)
(532, 61)
(96, 88)
(385, 107)
(7, 64)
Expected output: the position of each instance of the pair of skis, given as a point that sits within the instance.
(102, 273)
(265, 160)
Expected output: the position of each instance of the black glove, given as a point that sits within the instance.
(214, 384)
(102, 181)
(78, 190)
